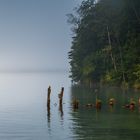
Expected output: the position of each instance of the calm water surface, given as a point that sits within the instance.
(24, 114)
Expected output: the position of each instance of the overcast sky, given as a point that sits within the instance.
(34, 34)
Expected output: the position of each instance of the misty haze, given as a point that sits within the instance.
(69, 69)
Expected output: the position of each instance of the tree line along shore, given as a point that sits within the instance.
(106, 43)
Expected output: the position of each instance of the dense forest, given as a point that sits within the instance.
(106, 42)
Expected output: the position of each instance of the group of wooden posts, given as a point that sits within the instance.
(98, 104)
(60, 102)
(59, 95)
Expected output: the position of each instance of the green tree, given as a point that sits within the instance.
(106, 38)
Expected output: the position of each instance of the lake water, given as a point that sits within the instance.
(24, 114)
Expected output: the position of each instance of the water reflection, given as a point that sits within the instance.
(111, 122)
(54, 108)
(48, 119)
(61, 111)
(24, 113)
(61, 102)
(48, 114)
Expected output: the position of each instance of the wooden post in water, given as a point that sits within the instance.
(48, 97)
(75, 104)
(61, 110)
(61, 96)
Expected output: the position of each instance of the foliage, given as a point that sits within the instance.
(106, 41)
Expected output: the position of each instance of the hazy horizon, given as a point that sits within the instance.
(35, 35)
(33, 70)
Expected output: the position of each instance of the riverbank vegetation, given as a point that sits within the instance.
(106, 42)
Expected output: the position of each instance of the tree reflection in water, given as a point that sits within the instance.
(111, 122)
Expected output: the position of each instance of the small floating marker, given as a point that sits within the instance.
(89, 105)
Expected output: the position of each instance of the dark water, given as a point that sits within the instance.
(108, 123)
(24, 114)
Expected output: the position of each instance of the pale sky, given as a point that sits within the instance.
(34, 34)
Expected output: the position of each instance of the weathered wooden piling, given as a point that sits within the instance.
(48, 97)
(49, 92)
(61, 96)
(75, 104)
(98, 104)
(131, 106)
